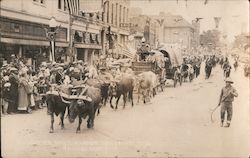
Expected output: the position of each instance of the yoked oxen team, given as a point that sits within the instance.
(83, 90)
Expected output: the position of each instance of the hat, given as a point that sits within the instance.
(13, 69)
(41, 76)
(76, 70)
(71, 69)
(7, 84)
(102, 57)
(43, 64)
(6, 78)
(79, 61)
(228, 79)
(143, 40)
(42, 68)
(4, 65)
(58, 68)
(61, 64)
(102, 68)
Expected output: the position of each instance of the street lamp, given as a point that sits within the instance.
(51, 35)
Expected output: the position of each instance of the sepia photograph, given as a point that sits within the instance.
(125, 78)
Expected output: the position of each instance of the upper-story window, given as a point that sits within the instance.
(62, 5)
(65, 6)
(39, 1)
(112, 14)
(59, 4)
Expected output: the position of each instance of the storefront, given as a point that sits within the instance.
(28, 41)
(87, 46)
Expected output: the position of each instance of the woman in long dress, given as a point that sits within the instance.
(23, 94)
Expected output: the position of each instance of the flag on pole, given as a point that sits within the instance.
(73, 6)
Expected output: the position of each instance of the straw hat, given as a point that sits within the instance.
(7, 84)
(79, 61)
(43, 64)
(42, 68)
(13, 69)
(102, 68)
(228, 79)
(57, 68)
(6, 78)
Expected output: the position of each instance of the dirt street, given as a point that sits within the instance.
(176, 123)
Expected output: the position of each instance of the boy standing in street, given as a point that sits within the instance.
(226, 98)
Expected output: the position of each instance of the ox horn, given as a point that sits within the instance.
(63, 100)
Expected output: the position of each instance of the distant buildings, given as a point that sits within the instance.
(148, 27)
(176, 30)
(168, 29)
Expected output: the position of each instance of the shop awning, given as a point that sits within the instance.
(31, 42)
(90, 46)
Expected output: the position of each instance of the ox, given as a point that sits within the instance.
(146, 83)
(84, 108)
(103, 86)
(97, 83)
(58, 101)
(56, 104)
(123, 87)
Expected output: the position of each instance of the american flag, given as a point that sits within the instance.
(73, 6)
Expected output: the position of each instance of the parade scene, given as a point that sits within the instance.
(124, 78)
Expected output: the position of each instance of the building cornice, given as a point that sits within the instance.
(25, 16)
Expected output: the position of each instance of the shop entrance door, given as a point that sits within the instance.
(80, 54)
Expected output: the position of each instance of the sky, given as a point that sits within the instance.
(234, 13)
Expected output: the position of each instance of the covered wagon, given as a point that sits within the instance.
(173, 60)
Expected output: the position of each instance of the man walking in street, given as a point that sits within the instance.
(226, 98)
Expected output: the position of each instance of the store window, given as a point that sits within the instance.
(16, 27)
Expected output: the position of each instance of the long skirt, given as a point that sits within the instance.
(23, 99)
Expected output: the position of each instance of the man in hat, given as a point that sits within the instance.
(13, 91)
(226, 98)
